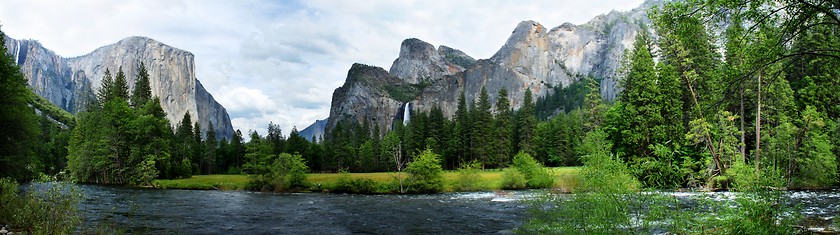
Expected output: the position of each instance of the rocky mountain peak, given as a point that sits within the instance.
(70, 82)
(419, 62)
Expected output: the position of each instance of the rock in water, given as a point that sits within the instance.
(70, 82)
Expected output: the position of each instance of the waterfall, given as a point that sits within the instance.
(17, 52)
(407, 113)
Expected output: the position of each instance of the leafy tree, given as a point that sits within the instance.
(284, 173)
(425, 173)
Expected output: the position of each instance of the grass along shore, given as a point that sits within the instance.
(566, 180)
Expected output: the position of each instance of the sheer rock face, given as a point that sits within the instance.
(365, 97)
(70, 82)
(533, 57)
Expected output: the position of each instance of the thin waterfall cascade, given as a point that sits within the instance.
(17, 53)
(407, 113)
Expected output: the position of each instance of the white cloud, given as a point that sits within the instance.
(279, 61)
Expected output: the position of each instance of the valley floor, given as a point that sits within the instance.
(567, 178)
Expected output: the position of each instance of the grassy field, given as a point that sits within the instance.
(489, 180)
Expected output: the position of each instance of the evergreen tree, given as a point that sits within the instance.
(462, 131)
(209, 162)
(142, 92)
(17, 118)
(198, 148)
(275, 138)
(502, 130)
(481, 129)
(105, 87)
(120, 87)
(526, 121)
(182, 148)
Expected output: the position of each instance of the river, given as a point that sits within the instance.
(149, 211)
(242, 212)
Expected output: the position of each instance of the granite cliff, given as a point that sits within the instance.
(534, 57)
(70, 82)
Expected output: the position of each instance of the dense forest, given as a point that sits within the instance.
(723, 88)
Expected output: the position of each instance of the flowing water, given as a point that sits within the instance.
(242, 212)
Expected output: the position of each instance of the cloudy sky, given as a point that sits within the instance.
(279, 61)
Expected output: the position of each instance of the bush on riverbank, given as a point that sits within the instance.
(425, 175)
(48, 208)
(468, 177)
(536, 175)
(347, 184)
(513, 179)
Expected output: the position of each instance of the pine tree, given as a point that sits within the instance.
(17, 118)
(502, 130)
(120, 88)
(106, 86)
(481, 129)
(210, 151)
(462, 130)
(526, 122)
(142, 92)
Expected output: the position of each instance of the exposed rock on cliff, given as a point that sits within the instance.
(533, 58)
(70, 82)
(420, 62)
(369, 94)
(315, 131)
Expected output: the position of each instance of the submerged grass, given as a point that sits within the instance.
(567, 180)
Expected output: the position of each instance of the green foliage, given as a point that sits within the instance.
(513, 179)
(605, 203)
(19, 122)
(526, 122)
(347, 184)
(468, 177)
(46, 208)
(142, 92)
(563, 99)
(403, 92)
(285, 172)
(535, 174)
(51, 110)
(425, 173)
(555, 140)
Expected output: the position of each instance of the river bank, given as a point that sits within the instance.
(567, 179)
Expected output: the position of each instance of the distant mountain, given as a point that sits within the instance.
(314, 131)
(533, 57)
(70, 82)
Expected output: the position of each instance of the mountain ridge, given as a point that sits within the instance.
(70, 82)
(533, 57)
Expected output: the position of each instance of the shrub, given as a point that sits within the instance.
(346, 184)
(425, 175)
(536, 176)
(468, 177)
(49, 208)
(286, 172)
(513, 179)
